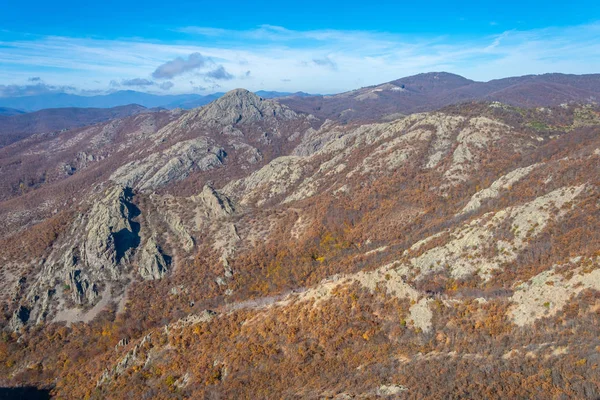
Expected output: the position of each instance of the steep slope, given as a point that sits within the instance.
(89, 168)
(149, 150)
(342, 263)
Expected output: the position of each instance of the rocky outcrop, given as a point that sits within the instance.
(171, 165)
(19, 319)
(153, 264)
(82, 288)
(503, 183)
(151, 344)
(110, 232)
(213, 204)
(547, 293)
(391, 390)
(185, 240)
(136, 356)
(386, 279)
(241, 106)
(463, 255)
(96, 250)
(192, 319)
(274, 179)
(474, 140)
(110, 235)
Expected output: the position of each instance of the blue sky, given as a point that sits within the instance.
(313, 46)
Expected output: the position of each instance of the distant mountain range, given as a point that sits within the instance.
(273, 95)
(19, 125)
(422, 92)
(430, 91)
(120, 98)
(11, 105)
(387, 101)
(4, 111)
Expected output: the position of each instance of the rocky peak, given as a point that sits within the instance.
(242, 106)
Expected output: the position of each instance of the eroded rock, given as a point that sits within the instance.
(153, 264)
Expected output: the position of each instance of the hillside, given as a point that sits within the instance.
(248, 249)
(430, 91)
(9, 111)
(117, 99)
(22, 125)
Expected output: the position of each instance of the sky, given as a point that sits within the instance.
(311, 46)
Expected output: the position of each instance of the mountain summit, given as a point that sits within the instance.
(242, 106)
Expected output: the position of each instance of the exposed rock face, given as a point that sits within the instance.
(111, 234)
(96, 250)
(386, 278)
(271, 180)
(152, 262)
(451, 145)
(193, 319)
(548, 292)
(179, 229)
(19, 319)
(212, 212)
(239, 114)
(503, 183)
(480, 134)
(83, 290)
(171, 165)
(391, 390)
(462, 255)
(242, 106)
(214, 204)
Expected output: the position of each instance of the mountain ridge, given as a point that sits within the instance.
(245, 249)
(20, 126)
(4, 111)
(433, 90)
(120, 98)
(424, 92)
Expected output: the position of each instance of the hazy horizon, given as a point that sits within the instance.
(315, 47)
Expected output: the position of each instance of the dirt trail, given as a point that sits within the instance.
(261, 302)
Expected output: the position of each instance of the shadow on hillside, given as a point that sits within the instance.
(126, 239)
(24, 393)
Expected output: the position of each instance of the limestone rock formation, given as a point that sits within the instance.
(374, 251)
(96, 250)
(19, 319)
(111, 233)
(242, 106)
(171, 165)
(273, 179)
(153, 264)
(213, 204)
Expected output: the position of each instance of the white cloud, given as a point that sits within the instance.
(319, 61)
(180, 65)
